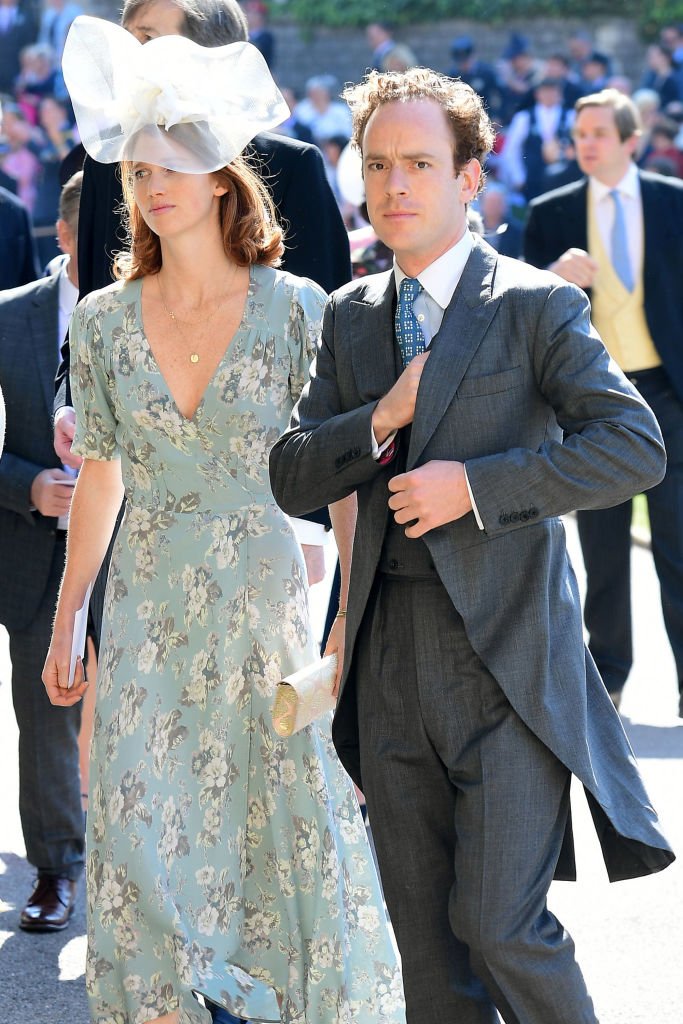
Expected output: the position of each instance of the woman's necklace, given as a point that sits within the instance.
(194, 356)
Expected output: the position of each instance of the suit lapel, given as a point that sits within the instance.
(464, 325)
(575, 218)
(372, 338)
(656, 225)
(43, 323)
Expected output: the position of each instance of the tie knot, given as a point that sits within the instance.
(410, 287)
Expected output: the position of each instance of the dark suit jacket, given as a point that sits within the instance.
(18, 263)
(519, 388)
(316, 239)
(22, 33)
(29, 321)
(558, 221)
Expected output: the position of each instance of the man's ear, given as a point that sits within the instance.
(65, 237)
(470, 176)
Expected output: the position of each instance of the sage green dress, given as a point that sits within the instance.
(221, 859)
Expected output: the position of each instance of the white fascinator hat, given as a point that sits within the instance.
(170, 102)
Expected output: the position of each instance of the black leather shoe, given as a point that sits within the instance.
(50, 906)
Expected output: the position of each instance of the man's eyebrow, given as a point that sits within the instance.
(140, 27)
(401, 156)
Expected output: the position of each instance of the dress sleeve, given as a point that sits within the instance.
(90, 385)
(305, 330)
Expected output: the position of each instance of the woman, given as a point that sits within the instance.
(221, 860)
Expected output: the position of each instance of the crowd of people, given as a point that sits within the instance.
(530, 97)
(460, 404)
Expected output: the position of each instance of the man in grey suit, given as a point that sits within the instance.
(35, 495)
(467, 697)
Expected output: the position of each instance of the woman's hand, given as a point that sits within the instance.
(56, 671)
(335, 645)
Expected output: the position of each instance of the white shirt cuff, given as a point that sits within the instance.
(379, 449)
(309, 533)
(473, 502)
(62, 412)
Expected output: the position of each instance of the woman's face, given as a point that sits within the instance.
(172, 202)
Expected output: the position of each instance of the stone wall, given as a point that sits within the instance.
(345, 53)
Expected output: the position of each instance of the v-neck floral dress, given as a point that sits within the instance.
(221, 859)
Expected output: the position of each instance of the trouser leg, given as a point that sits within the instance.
(49, 777)
(605, 536)
(468, 811)
(665, 506)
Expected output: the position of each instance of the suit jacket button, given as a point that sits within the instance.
(514, 517)
(524, 516)
(533, 512)
(393, 564)
(356, 453)
(503, 520)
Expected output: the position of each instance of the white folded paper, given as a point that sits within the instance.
(78, 638)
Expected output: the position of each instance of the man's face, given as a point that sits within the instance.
(599, 149)
(593, 71)
(157, 18)
(548, 96)
(417, 204)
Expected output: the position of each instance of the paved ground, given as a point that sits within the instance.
(629, 936)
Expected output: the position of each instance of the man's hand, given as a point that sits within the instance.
(433, 494)
(577, 267)
(65, 428)
(397, 408)
(48, 495)
(314, 556)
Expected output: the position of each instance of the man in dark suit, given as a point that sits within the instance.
(316, 239)
(17, 30)
(467, 697)
(618, 233)
(35, 494)
(18, 264)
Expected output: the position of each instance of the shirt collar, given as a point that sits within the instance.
(68, 292)
(628, 186)
(440, 278)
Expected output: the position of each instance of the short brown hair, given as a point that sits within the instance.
(206, 22)
(251, 233)
(473, 133)
(70, 200)
(626, 115)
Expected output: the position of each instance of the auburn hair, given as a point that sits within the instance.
(249, 225)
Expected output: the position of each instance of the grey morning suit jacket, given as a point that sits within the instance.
(29, 354)
(520, 388)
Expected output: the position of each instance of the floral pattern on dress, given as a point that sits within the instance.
(222, 859)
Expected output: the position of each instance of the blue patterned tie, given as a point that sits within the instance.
(408, 331)
(619, 241)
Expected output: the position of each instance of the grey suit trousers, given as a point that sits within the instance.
(468, 811)
(52, 818)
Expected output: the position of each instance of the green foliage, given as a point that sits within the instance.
(358, 13)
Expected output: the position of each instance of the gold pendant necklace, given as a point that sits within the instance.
(194, 356)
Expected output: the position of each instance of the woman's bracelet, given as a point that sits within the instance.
(341, 613)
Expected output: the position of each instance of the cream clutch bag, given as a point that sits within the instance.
(304, 696)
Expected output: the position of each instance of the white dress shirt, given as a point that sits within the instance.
(68, 297)
(632, 205)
